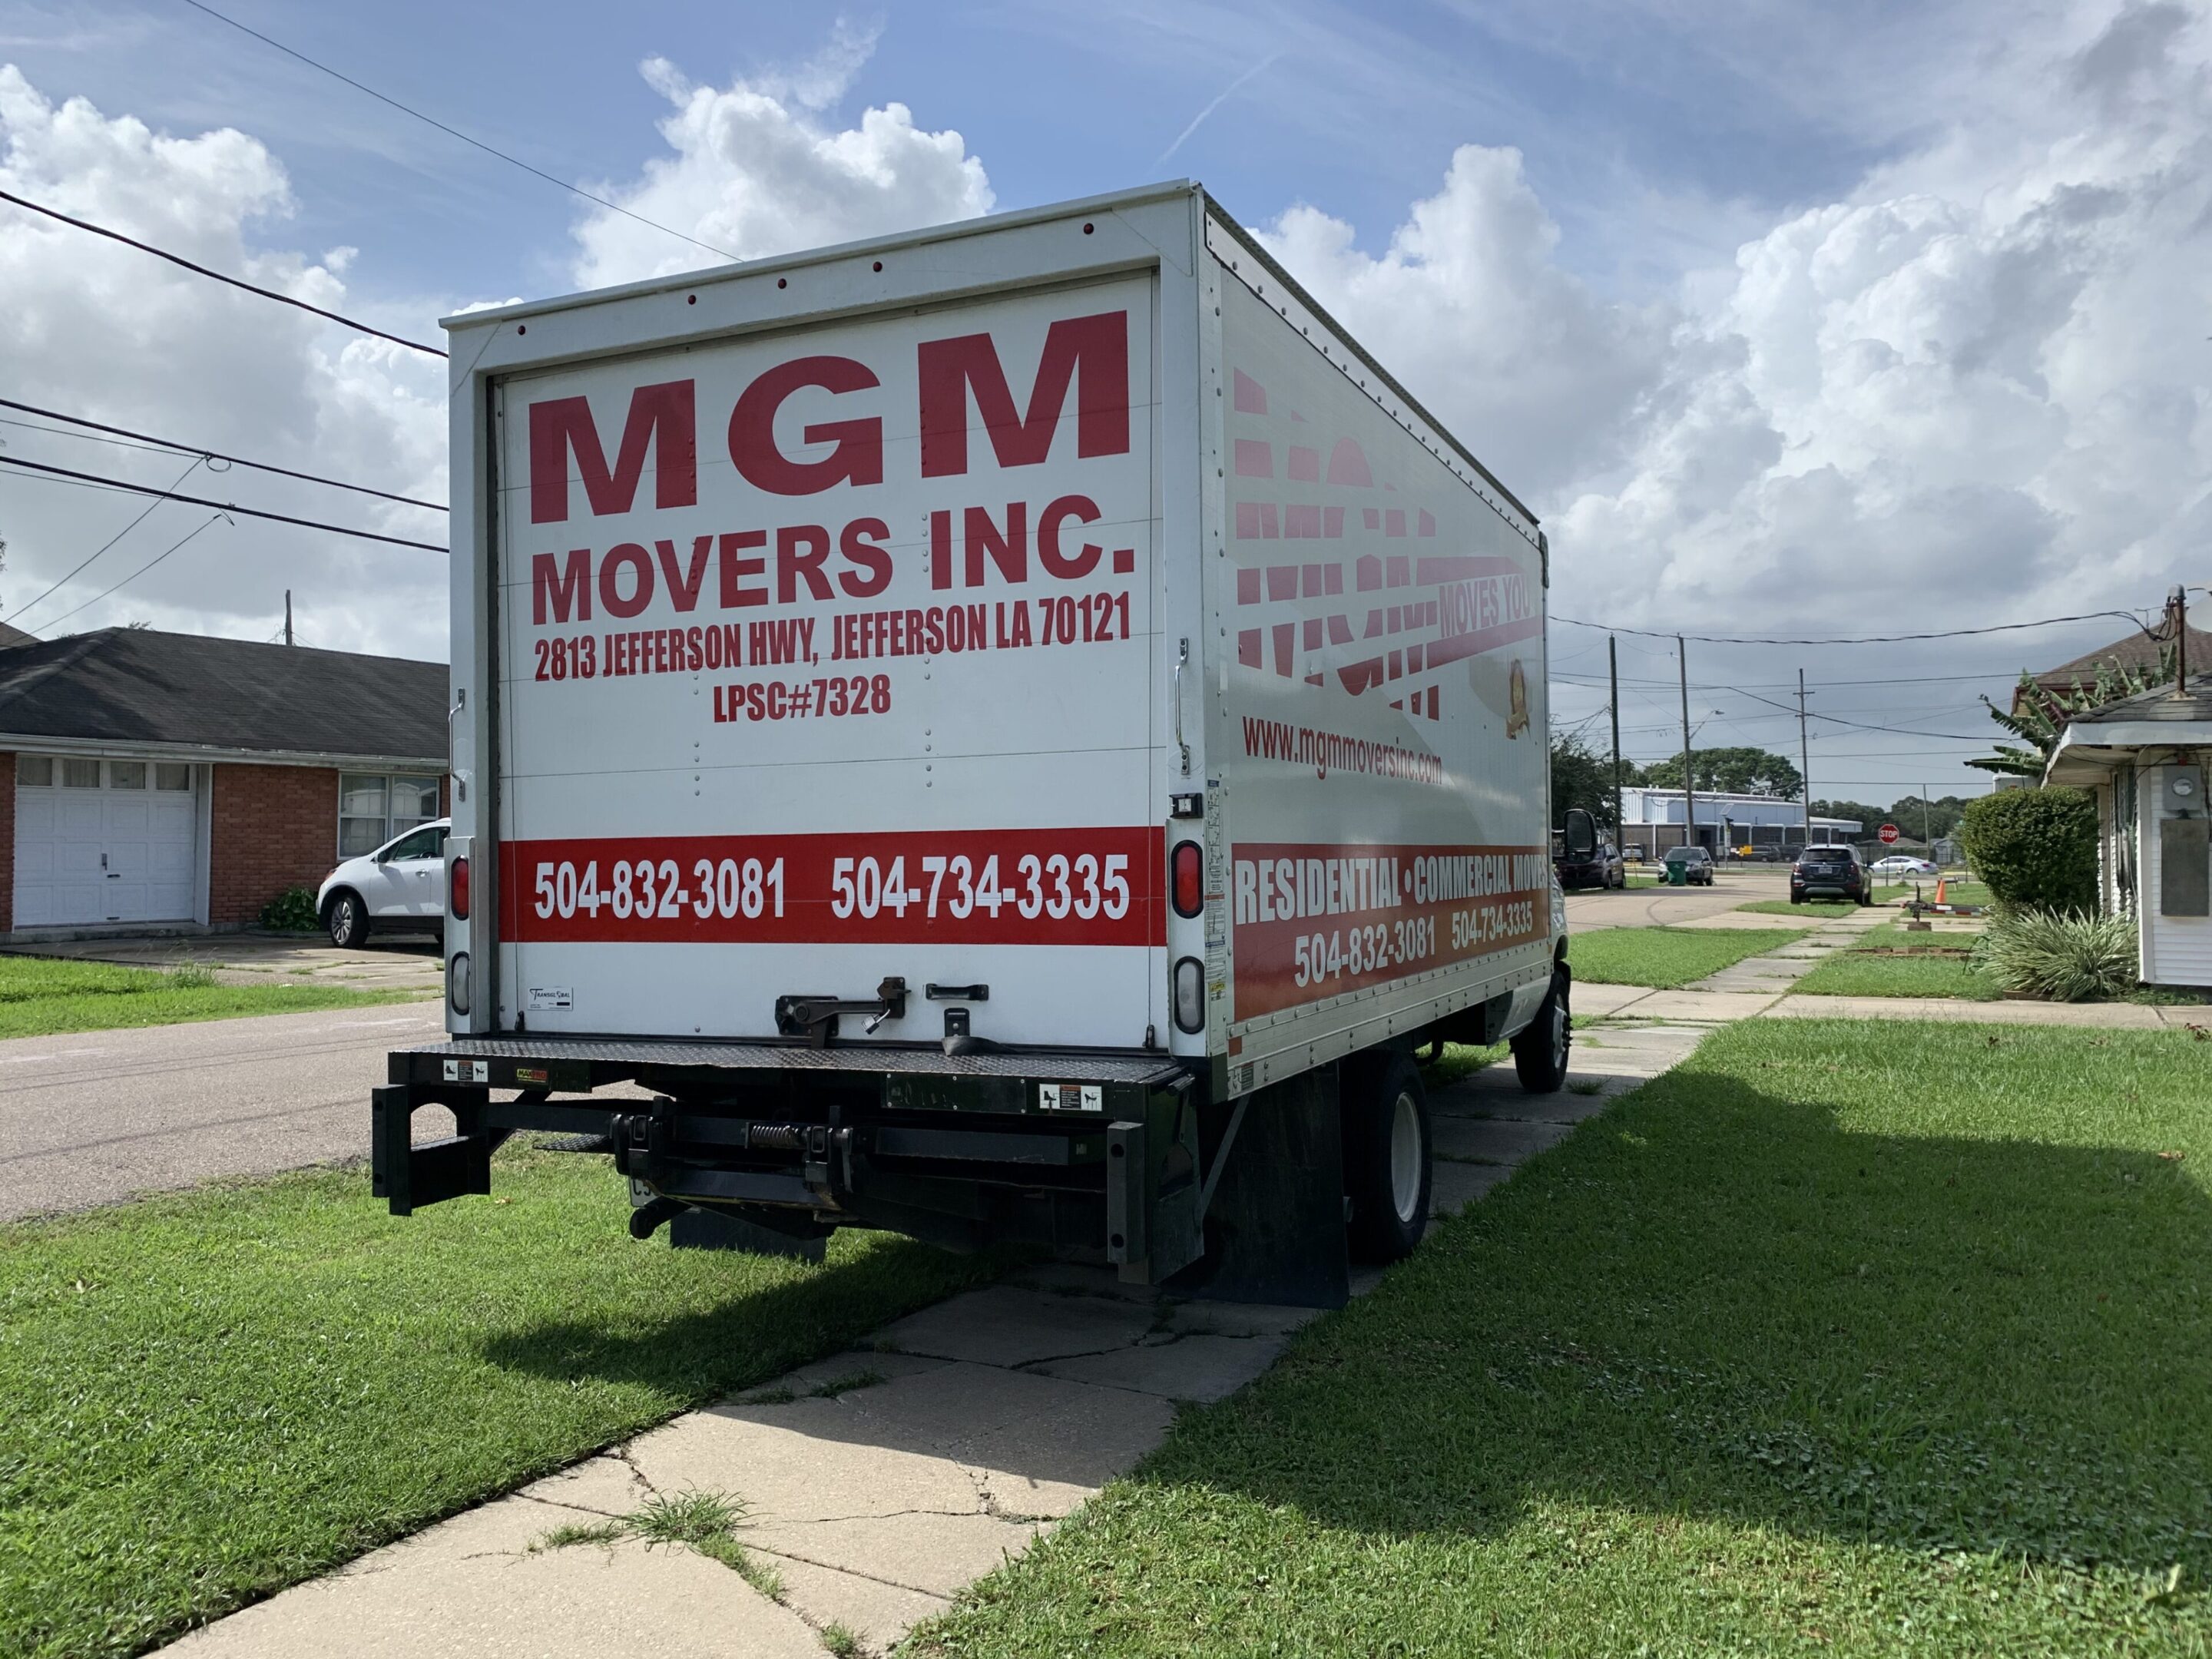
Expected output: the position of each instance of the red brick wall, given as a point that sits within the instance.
(6, 842)
(272, 827)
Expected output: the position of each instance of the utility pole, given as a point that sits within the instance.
(1804, 758)
(287, 616)
(1926, 834)
(2179, 603)
(1613, 672)
(1689, 783)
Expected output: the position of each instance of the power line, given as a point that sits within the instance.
(214, 454)
(1867, 638)
(226, 506)
(1784, 685)
(455, 132)
(200, 269)
(159, 496)
(133, 575)
(1862, 725)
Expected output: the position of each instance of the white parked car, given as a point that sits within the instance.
(400, 888)
(1899, 865)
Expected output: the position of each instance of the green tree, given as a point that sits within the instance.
(1581, 777)
(1871, 817)
(1740, 771)
(2042, 714)
(2036, 848)
(1932, 819)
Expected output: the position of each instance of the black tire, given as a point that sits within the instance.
(1388, 1156)
(347, 920)
(1540, 1051)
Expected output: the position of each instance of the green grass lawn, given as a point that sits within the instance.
(41, 996)
(1461, 1060)
(213, 1395)
(1823, 909)
(1841, 1338)
(1934, 965)
(1668, 957)
(1957, 892)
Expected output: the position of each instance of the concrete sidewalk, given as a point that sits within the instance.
(881, 1480)
(1765, 987)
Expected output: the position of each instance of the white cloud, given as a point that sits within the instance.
(1468, 308)
(95, 329)
(1979, 380)
(757, 171)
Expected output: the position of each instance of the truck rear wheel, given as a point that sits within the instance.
(1539, 1052)
(1387, 1157)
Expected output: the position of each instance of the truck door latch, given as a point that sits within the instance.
(815, 1018)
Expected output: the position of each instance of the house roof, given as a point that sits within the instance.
(131, 685)
(2160, 703)
(2160, 721)
(11, 635)
(2138, 650)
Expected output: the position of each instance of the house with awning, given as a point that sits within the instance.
(2144, 759)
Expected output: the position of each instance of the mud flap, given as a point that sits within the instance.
(409, 1177)
(1275, 1227)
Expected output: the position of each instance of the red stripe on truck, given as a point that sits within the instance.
(1309, 922)
(1101, 886)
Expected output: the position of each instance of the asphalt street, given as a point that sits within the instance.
(96, 1117)
(1661, 907)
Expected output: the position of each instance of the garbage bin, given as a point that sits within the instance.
(1678, 872)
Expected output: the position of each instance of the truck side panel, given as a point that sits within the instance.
(1378, 725)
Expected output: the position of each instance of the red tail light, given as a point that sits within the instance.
(1187, 891)
(459, 894)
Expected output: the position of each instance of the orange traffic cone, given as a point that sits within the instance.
(1939, 892)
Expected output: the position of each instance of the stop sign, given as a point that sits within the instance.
(1889, 834)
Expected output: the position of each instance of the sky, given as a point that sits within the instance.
(1790, 323)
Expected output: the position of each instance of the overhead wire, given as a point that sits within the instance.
(147, 439)
(159, 497)
(455, 132)
(140, 571)
(197, 268)
(1865, 639)
(226, 506)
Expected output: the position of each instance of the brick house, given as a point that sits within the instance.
(179, 782)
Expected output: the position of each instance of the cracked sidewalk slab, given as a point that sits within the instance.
(473, 1585)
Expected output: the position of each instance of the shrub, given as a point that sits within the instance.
(292, 911)
(2037, 848)
(2065, 956)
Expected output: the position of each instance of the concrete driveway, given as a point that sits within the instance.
(1670, 906)
(409, 964)
(98, 1116)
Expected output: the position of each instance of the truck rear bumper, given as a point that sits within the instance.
(1092, 1152)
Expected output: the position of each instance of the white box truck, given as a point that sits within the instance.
(1022, 730)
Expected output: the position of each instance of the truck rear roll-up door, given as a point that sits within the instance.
(828, 657)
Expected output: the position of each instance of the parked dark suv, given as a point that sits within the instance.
(1582, 855)
(1830, 872)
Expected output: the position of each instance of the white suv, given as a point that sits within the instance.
(400, 888)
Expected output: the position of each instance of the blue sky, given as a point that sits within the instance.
(1791, 320)
(1357, 109)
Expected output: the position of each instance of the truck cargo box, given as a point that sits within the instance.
(1045, 633)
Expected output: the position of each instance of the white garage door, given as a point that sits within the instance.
(100, 841)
